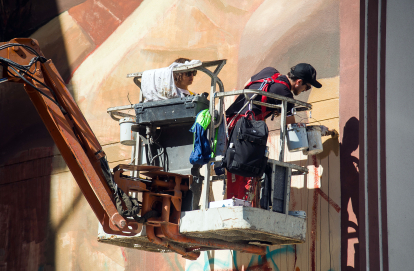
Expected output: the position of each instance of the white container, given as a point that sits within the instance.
(297, 138)
(314, 140)
(127, 136)
(229, 202)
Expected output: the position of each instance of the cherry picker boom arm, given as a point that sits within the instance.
(21, 61)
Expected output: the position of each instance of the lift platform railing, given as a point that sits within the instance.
(248, 219)
(117, 112)
(298, 105)
(202, 66)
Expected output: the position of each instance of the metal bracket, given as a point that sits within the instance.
(139, 109)
(189, 104)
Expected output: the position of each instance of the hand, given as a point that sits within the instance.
(324, 130)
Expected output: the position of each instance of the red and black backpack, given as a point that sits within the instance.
(245, 154)
(266, 82)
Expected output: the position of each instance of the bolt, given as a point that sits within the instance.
(123, 223)
(118, 220)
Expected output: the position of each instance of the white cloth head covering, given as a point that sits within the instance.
(159, 84)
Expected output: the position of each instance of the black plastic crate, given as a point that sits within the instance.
(171, 111)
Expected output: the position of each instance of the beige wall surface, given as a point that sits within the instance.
(251, 35)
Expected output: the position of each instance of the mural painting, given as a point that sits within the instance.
(94, 44)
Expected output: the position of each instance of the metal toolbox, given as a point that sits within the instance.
(171, 111)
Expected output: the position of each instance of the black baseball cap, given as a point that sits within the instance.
(307, 73)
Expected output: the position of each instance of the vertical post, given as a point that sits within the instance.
(206, 188)
(211, 133)
(288, 177)
(282, 131)
(137, 148)
(272, 185)
(138, 154)
(133, 149)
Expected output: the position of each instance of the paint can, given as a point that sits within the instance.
(297, 138)
(314, 140)
(127, 136)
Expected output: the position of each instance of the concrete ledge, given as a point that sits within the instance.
(241, 224)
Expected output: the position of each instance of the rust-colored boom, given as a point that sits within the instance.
(21, 61)
(67, 126)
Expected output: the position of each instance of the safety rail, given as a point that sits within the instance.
(202, 66)
(119, 112)
(298, 105)
(116, 112)
(239, 228)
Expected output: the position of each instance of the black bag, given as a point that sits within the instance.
(266, 188)
(245, 155)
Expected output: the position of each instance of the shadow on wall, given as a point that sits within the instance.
(350, 196)
(17, 114)
(27, 239)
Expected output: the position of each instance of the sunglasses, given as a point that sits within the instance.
(193, 73)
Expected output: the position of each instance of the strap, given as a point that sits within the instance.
(213, 153)
(257, 141)
(264, 98)
(250, 114)
(237, 165)
(120, 197)
(143, 219)
(266, 82)
(270, 80)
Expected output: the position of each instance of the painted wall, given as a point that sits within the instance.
(349, 132)
(48, 224)
(399, 61)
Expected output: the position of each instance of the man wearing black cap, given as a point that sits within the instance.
(300, 78)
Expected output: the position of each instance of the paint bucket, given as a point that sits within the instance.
(127, 136)
(297, 138)
(301, 214)
(314, 140)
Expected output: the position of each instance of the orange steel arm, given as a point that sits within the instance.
(67, 126)
(21, 61)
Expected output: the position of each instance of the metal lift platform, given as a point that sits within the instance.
(238, 225)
